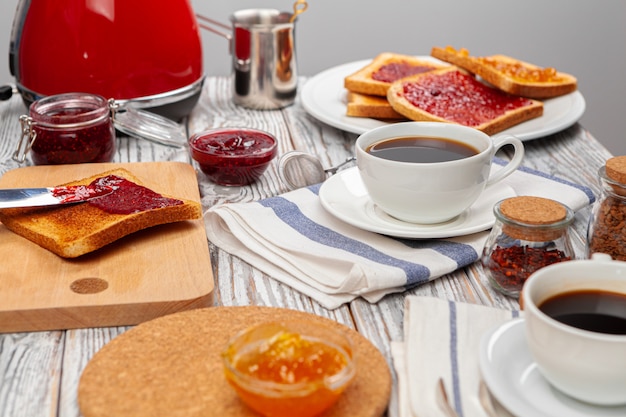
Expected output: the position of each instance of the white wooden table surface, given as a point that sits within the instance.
(40, 371)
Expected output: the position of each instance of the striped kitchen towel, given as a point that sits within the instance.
(293, 239)
(441, 340)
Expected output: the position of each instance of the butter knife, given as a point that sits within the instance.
(50, 196)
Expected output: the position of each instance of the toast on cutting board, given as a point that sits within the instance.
(453, 95)
(375, 107)
(74, 230)
(376, 77)
(511, 75)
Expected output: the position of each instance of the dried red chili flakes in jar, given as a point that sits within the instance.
(529, 233)
(607, 225)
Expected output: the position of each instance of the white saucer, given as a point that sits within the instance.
(345, 197)
(514, 379)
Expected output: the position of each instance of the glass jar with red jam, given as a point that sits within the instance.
(69, 128)
(529, 233)
(233, 156)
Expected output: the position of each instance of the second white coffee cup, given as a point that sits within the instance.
(432, 192)
(577, 353)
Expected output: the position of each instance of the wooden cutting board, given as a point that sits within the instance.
(171, 366)
(150, 273)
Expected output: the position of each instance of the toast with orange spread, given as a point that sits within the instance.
(376, 77)
(74, 230)
(511, 75)
(453, 95)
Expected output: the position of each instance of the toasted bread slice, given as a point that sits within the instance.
(511, 75)
(74, 230)
(455, 96)
(376, 77)
(375, 107)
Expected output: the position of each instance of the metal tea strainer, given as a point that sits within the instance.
(298, 169)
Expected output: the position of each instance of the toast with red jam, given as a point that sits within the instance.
(375, 107)
(511, 75)
(376, 77)
(74, 230)
(453, 95)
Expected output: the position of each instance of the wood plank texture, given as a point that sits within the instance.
(39, 371)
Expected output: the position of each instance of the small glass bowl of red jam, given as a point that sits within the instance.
(69, 128)
(292, 368)
(233, 156)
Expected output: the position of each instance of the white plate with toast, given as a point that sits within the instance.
(325, 98)
(344, 196)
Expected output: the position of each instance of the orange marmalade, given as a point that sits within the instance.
(515, 70)
(287, 374)
(520, 71)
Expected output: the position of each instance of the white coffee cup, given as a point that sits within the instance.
(431, 192)
(586, 365)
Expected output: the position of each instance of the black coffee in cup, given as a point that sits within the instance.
(593, 310)
(421, 149)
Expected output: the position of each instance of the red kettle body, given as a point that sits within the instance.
(145, 51)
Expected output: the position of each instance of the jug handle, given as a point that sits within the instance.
(205, 19)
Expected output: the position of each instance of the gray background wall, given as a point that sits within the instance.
(583, 37)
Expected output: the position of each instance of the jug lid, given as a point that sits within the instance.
(150, 126)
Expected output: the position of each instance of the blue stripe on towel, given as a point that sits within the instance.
(586, 190)
(290, 213)
(454, 358)
(461, 253)
(315, 189)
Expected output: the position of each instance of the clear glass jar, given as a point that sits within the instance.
(68, 128)
(607, 224)
(529, 233)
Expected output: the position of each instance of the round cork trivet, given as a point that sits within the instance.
(616, 169)
(171, 366)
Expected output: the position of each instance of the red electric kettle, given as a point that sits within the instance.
(143, 51)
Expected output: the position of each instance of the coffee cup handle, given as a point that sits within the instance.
(518, 156)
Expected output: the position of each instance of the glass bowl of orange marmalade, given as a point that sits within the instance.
(291, 368)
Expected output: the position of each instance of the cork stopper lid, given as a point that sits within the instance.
(534, 218)
(613, 176)
(616, 169)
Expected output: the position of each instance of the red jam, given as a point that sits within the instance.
(72, 128)
(460, 98)
(389, 73)
(233, 156)
(128, 197)
(79, 193)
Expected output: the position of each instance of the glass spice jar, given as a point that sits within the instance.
(606, 232)
(529, 233)
(67, 128)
